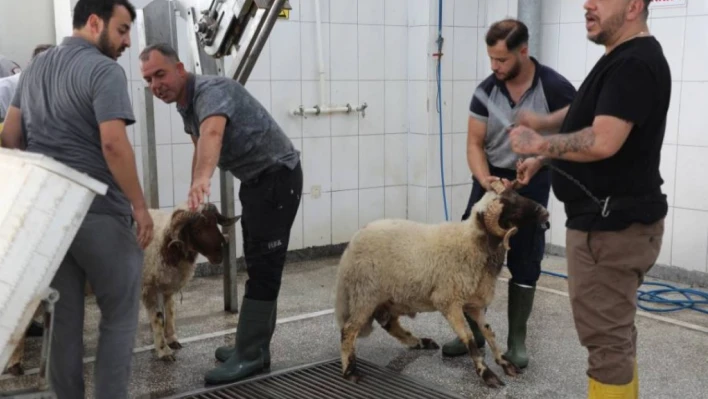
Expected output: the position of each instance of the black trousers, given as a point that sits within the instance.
(270, 204)
(528, 245)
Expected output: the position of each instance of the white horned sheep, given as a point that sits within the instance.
(394, 268)
(169, 264)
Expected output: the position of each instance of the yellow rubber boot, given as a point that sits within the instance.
(635, 381)
(598, 390)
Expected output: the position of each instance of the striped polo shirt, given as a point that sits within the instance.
(549, 92)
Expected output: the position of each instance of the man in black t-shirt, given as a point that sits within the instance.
(610, 142)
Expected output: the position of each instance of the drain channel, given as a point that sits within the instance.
(323, 380)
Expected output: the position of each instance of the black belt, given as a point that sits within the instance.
(610, 204)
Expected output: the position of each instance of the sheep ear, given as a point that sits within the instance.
(180, 218)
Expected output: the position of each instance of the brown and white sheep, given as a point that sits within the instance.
(169, 264)
(170, 261)
(394, 268)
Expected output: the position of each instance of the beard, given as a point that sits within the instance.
(608, 28)
(513, 72)
(104, 45)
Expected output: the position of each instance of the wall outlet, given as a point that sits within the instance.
(316, 191)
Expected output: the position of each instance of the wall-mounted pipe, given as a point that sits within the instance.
(529, 12)
(317, 110)
(322, 107)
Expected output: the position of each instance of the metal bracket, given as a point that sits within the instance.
(44, 385)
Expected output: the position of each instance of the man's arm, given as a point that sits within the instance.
(120, 158)
(627, 98)
(476, 157)
(111, 104)
(211, 132)
(195, 139)
(12, 130)
(600, 141)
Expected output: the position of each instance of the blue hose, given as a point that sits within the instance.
(655, 296)
(439, 105)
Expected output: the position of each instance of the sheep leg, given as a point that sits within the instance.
(393, 326)
(350, 331)
(170, 331)
(456, 318)
(509, 368)
(15, 363)
(155, 315)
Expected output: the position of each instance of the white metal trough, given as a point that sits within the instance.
(42, 205)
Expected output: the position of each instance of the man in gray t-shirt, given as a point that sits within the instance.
(231, 129)
(8, 67)
(72, 104)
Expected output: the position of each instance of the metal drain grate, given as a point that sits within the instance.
(323, 380)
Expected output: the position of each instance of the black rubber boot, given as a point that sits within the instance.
(252, 337)
(519, 309)
(457, 348)
(224, 352)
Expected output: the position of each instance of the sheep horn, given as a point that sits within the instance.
(179, 219)
(491, 220)
(497, 186)
(508, 236)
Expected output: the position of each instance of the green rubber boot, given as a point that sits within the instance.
(223, 353)
(252, 337)
(519, 309)
(457, 348)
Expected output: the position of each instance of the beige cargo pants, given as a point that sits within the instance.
(603, 294)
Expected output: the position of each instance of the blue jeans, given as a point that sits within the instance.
(528, 245)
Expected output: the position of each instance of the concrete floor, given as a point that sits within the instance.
(672, 350)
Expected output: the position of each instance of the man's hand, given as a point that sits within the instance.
(526, 169)
(145, 226)
(526, 141)
(200, 189)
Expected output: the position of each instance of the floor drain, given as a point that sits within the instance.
(323, 380)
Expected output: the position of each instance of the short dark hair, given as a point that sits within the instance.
(163, 48)
(40, 48)
(102, 8)
(513, 32)
(646, 8)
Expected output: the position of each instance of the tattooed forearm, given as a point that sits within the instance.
(560, 145)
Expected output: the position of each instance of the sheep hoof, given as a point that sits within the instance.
(354, 376)
(16, 370)
(175, 345)
(491, 379)
(427, 343)
(511, 369)
(169, 358)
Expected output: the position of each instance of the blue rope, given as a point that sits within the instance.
(439, 105)
(655, 296)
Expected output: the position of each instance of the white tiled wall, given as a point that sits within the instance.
(464, 65)
(358, 161)
(682, 32)
(387, 164)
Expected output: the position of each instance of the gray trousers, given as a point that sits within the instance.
(106, 253)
